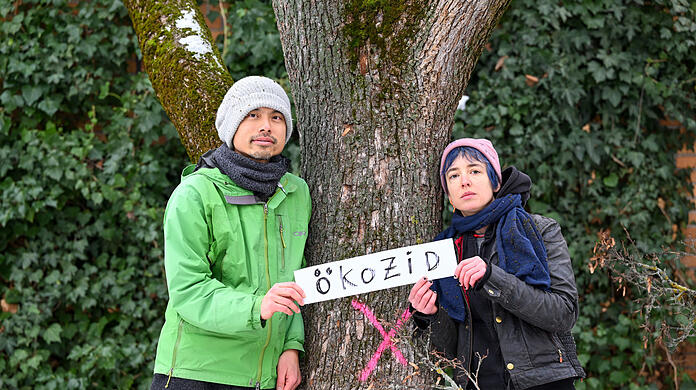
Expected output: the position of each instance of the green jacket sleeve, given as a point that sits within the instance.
(194, 294)
(295, 337)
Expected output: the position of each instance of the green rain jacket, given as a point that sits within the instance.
(223, 250)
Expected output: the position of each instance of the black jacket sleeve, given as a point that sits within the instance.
(555, 310)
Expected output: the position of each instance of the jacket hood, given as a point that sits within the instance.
(515, 182)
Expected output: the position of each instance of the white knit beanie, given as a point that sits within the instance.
(246, 95)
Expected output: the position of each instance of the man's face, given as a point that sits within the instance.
(261, 135)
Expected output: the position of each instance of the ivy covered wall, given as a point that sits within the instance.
(584, 97)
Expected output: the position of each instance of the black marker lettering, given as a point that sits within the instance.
(427, 260)
(390, 267)
(344, 280)
(410, 269)
(362, 275)
(326, 289)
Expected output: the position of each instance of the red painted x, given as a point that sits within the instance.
(386, 338)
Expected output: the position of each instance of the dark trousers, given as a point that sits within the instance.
(160, 380)
(563, 384)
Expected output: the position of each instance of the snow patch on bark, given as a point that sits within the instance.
(194, 42)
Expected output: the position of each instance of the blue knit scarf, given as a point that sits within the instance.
(521, 250)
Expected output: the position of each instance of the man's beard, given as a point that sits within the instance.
(262, 154)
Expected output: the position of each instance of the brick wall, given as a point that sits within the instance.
(215, 27)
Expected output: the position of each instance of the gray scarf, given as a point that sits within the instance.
(260, 178)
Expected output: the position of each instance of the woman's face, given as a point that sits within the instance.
(468, 185)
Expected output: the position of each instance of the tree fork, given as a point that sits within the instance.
(375, 86)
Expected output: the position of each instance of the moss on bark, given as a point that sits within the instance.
(190, 86)
(389, 27)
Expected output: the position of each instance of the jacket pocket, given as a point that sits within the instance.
(556, 342)
(291, 237)
(191, 329)
(541, 346)
(282, 246)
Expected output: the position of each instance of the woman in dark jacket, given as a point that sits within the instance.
(512, 301)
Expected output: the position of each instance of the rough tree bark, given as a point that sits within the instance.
(376, 85)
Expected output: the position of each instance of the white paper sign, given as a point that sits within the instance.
(377, 271)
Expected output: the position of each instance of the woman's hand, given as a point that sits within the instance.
(469, 271)
(422, 298)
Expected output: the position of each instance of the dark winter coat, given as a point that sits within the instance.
(533, 326)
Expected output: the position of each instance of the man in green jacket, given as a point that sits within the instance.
(234, 232)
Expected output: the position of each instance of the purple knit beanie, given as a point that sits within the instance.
(482, 145)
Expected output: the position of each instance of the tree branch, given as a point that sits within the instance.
(184, 66)
(660, 292)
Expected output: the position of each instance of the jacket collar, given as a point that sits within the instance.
(235, 194)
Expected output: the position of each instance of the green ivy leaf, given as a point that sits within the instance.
(619, 377)
(49, 106)
(612, 95)
(104, 90)
(622, 342)
(31, 94)
(611, 181)
(52, 333)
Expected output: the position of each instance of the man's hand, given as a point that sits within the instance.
(422, 298)
(469, 271)
(288, 370)
(280, 299)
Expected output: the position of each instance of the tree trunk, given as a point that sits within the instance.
(184, 66)
(375, 86)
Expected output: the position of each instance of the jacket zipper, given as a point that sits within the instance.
(282, 241)
(176, 348)
(560, 353)
(471, 330)
(268, 287)
(469, 321)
